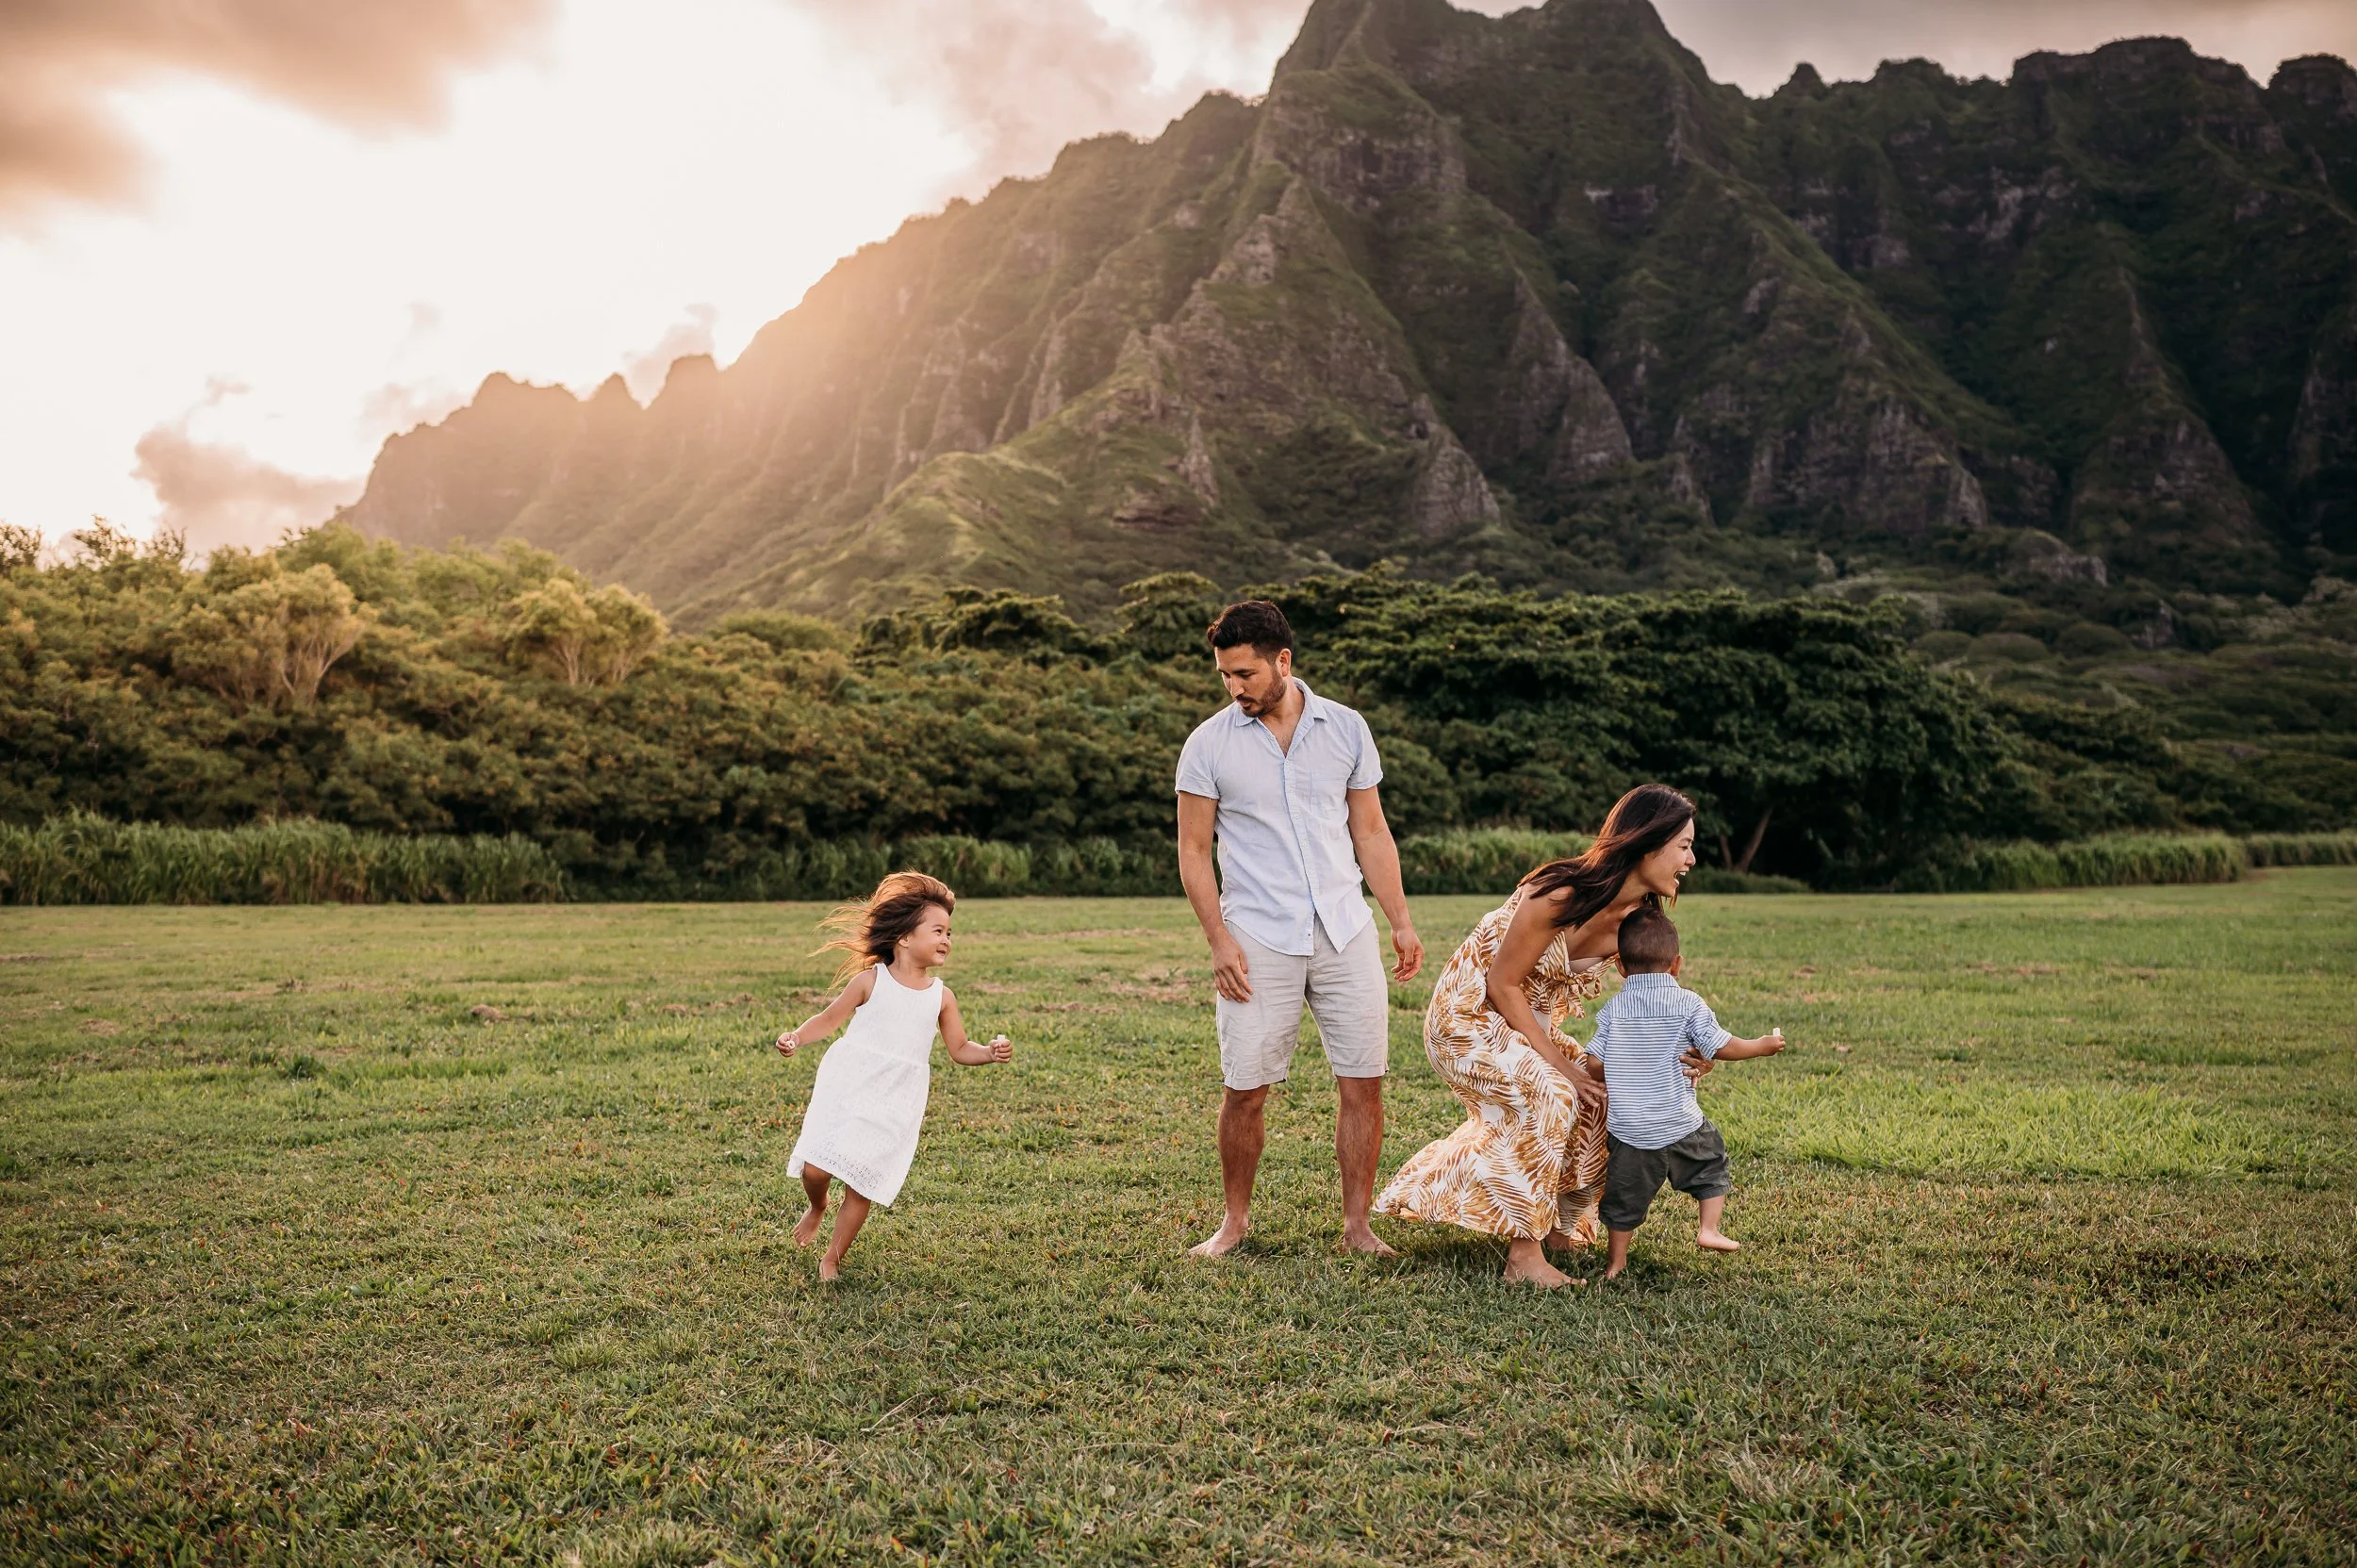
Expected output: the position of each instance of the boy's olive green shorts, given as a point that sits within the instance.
(1696, 1166)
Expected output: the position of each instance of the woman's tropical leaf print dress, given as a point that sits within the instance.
(1529, 1156)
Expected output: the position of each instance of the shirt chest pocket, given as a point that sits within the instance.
(1322, 771)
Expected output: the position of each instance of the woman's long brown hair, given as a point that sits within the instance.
(1641, 822)
(869, 931)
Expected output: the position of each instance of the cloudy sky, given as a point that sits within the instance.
(243, 242)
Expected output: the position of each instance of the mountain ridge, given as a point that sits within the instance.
(1526, 295)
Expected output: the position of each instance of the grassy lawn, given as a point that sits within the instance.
(2048, 1213)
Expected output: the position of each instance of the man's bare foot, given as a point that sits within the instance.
(1711, 1241)
(806, 1228)
(829, 1271)
(1616, 1271)
(1221, 1242)
(1366, 1241)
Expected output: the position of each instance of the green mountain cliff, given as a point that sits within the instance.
(1530, 296)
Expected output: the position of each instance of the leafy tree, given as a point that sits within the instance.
(1808, 713)
(1164, 616)
(583, 639)
(982, 620)
(257, 633)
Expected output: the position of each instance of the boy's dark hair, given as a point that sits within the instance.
(1255, 622)
(1649, 942)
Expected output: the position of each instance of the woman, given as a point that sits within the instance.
(1527, 1163)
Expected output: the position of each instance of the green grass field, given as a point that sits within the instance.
(2048, 1213)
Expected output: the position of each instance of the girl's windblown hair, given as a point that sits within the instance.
(1642, 822)
(868, 933)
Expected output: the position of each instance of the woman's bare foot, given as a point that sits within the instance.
(1223, 1241)
(806, 1228)
(1711, 1241)
(1526, 1265)
(1560, 1240)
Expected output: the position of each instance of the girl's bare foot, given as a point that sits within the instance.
(1366, 1241)
(830, 1270)
(1711, 1241)
(806, 1228)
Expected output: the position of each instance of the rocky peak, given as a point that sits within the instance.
(1804, 83)
(2321, 82)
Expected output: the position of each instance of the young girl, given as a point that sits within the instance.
(869, 1100)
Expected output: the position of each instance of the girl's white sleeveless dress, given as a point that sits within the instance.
(867, 1102)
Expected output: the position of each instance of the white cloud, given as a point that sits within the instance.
(217, 495)
(371, 63)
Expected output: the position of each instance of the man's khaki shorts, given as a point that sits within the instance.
(1346, 991)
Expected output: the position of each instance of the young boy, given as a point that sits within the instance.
(1652, 1126)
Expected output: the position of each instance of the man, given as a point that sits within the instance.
(1285, 782)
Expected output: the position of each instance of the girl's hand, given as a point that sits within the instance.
(787, 1045)
(1001, 1049)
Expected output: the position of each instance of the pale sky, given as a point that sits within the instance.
(239, 250)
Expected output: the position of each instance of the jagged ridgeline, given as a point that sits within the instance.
(1531, 296)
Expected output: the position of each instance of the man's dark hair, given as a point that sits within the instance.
(1649, 942)
(1256, 622)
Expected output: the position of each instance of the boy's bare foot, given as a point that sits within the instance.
(1221, 1242)
(1364, 1240)
(806, 1228)
(1616, 1271)
(829, 1271)
(1711, 1241)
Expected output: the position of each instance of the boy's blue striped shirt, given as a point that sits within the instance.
(1639, 1035)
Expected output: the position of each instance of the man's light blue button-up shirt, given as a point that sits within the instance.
(1286, 863)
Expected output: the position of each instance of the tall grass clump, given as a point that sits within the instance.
(2115, 860)
(830, 869)
(2303, 849)
(1103, 868)
(1479, 859)
(85, 859)
(976, 867)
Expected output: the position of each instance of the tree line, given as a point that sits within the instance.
(405, 691)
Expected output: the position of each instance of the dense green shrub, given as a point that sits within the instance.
(83, 859)
(2303, 849)
(2115, 860)
(430, 696)
(1479, 859)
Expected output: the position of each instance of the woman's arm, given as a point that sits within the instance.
(1526, 938)
(833, 1016)
(963, 1050)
